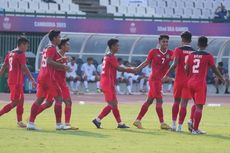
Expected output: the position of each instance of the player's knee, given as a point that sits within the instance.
(68, 103)
(149, 101)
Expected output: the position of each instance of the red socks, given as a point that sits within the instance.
(42, 108)
(197, 118)
(193, 109)
(106, 110)
(116, 114)
(143, 110)
(175, 110)
(6, 109)
(159, 111)
(67, 113)
(33, 111)
(183, 112)
(58, 111)
(20, 109)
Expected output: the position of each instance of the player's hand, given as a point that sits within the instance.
(165, 79)
(34, 84)
(67, 68)
(222, 80)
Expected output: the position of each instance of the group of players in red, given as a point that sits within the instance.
(190, 82)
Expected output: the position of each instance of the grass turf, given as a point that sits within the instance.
(88, 139)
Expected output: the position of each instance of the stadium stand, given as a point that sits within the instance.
(141, 8)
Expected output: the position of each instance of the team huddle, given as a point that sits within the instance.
(191, 68)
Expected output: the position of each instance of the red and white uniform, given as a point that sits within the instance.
(60, 76)
(47, 84)
(108, 77)
(198, 63)
(14, 59)
(180, 85)
(160, 64)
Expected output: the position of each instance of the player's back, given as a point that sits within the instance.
(47, 71)
(182, 54)
(199, 62)
(109, 70)
(14, 60)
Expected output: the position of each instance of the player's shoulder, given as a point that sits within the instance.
(188, 48)
(201, 53)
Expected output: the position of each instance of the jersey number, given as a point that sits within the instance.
(195, 67)
(44, 61)
(163, 60)
(10, 63)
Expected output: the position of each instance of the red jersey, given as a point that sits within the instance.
(109, 70)
(60, 75)
(14, 59)
(198, 63)
(182, 54)
(47, 71)
(160, 63)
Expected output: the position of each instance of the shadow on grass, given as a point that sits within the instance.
(82, 133)
(208, 135)
(143, 131)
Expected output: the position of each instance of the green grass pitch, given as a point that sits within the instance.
(216, 121)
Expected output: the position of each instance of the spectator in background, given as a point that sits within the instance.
(120, 77)
(72, 78)
(144, 81)
(223, 72)
(221, 12)
(130, 77)
(89, 73)
(99, 67)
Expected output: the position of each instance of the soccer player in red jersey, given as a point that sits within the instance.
(197, 66)
(60, 77)
(181, 92)
(160, 59)
(15, 61)
(48, 87)
(110, 66)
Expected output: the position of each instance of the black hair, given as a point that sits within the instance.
(119, 59)
(22, 40)
(186, 36)
(202, 41)
(53, 33)
(221, 64)
(163, 36)
(112, 42)
(90, 59)
(63, 42)
(73, 58)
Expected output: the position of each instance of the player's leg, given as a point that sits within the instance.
(46, 105)
(78, 82)
(129, 85)
(85, 78)
(160, 114)
(14, 99)
(182, 113)
(109, 96)
(97, 79)
(20, 110)
(216, 82)
(144, 109)
(177, 92)
(116, 113)
(197, 119)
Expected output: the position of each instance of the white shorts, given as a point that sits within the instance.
(91, 78)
